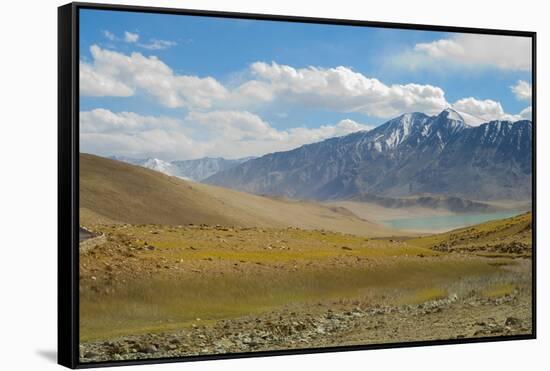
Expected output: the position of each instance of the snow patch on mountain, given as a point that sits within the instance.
(194, 170)
(159, 165)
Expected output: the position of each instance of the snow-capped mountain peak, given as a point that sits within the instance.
(158, 165)
(460, 116)
(196, 170)
(451, 114)
(410, 154)
(398, 130)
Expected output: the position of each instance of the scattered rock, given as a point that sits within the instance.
(512, 322)
(149, 348)
(90, 354)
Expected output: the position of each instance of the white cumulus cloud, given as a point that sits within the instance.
(504, 52)
(103, 120)
(229, 134)
(115, 74)
(95, 83)
(522, 90)
(111, 73)
(232, 125)
(340, 89)
(488, 110)
(527, 113)
(107, 133)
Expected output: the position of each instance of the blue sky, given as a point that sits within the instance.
(268, 85)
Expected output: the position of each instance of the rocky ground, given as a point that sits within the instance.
(514, 247)
(350, 323)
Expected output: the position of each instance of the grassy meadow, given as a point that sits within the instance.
(152, 278)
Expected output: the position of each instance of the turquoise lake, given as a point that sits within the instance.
(443, 223)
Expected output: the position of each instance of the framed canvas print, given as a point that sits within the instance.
(237, 185)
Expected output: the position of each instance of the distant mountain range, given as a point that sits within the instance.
(410, 155)
(450, 203)
(195, 170)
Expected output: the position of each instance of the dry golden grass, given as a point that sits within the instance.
(423, 295)
(499, 290)
(213, 274)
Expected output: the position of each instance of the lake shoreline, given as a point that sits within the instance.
(445, 223)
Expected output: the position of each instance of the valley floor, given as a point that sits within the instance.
(150, 291)
(328, 325)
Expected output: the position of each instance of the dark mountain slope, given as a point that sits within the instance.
(411, 154)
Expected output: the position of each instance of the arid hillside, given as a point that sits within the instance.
(113, 192)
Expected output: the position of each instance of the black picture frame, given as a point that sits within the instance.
(68, 171)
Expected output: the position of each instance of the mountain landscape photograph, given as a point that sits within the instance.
(271, 185)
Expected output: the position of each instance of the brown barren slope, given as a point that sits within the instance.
(116, 192)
